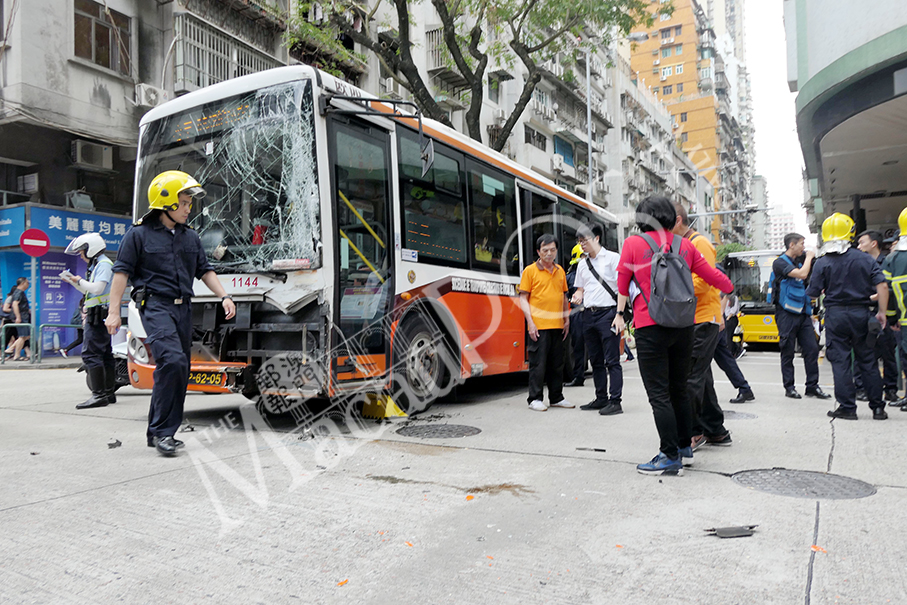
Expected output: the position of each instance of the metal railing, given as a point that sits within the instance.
(41, 327)
(31, 328)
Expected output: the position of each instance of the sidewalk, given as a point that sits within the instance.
(47, 363)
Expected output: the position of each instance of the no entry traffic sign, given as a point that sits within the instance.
(34, 242)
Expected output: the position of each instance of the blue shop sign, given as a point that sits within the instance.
(63, 226)
(12, 224)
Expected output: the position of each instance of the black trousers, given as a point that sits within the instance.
(728, 364)
(604, 353)
(96, 349)
(885, 350)
(708, 419)
(169, 329)
(794, 328)
(663, 355)
(546, 366)
(845, 331)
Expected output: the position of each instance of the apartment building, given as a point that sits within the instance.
(76, 76)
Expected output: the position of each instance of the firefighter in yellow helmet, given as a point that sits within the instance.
(162, 257)
(576, 362)
(848, 279)
(895, 269)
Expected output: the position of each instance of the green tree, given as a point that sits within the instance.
(476, 33)
(724, 249)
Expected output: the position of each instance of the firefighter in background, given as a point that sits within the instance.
(895, 270)
(849, 278)
(97, 354)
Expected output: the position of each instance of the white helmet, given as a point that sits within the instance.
(90, 243)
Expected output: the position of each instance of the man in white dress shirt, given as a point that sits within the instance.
(596, 290)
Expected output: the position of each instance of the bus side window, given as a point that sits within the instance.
(433, 213)
(493, 211)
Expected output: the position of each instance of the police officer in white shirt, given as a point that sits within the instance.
(596, 290)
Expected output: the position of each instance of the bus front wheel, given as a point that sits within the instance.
(423, 361)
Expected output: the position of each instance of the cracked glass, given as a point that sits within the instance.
(254, 154)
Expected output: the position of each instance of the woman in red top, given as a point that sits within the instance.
(664, 353)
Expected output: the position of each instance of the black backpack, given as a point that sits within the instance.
(672, 300)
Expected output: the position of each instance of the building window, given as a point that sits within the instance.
(683, 117)
(678, 69)
(494, 89)
(705, 72)
(665, 53)
(678, 50)
(664, 17)
(667, 71)
(565, 149)
(205, 55)
(678, 30)
(680, 87)
(535, 138)
(668, 89)
(684, 137)
(665, 33)
(102, 36)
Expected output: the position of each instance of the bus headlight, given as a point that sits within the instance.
(138, 350)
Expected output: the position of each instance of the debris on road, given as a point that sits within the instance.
(116, 443)
(738, 531)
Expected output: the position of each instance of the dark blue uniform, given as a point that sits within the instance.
(885, 348)
(848, 280)
(165, 263)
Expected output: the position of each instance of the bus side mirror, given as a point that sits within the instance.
(428, 157)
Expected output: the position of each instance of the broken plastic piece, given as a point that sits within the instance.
(739, 531)
(116, 443)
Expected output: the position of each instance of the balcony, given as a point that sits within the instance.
(262, 13)
(440, 63)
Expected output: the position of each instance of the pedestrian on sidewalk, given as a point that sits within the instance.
(543, 300)
(97, 354)
(596, 290)
(849, 278)
(793, 315)
(663, 353)
(708, 417)
(20, 309)
(885, 350)
(162, 290)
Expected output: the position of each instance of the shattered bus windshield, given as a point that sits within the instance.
(255, 156)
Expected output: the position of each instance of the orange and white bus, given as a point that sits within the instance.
(366, 249)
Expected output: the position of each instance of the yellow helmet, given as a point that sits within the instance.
(163, 193)
(838, 227)
(577, 254)
(902, 221)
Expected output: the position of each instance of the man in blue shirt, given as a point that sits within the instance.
(162, 257)
(795, 324)
(849, 278)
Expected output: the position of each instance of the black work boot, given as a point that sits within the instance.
(96, 382)
(110, 383)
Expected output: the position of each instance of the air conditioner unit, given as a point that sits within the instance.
(499, 115)
(92, 155)
(557, 162)
(663, 78)
(656, 62)
(147, 95)
(676, 125)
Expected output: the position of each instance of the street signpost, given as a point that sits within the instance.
(36, 244)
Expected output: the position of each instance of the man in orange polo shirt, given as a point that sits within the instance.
(708, 418)
(543, 290)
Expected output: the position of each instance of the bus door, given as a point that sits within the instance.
(541, 212)
(360, 178)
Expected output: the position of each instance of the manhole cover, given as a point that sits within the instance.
(804, 484)
(438, 431)
(732, 415)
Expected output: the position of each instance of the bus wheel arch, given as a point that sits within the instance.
(426, 363)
